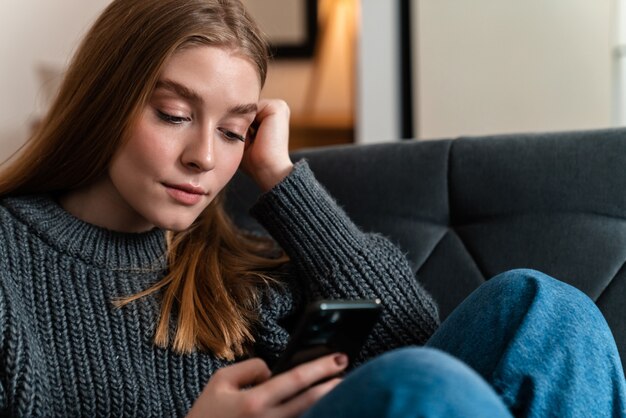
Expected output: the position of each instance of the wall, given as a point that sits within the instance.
(486, 66)
(619, 91)
(378, 94)
(496, 66)
(36, 32)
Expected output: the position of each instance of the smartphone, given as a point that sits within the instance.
(329, 326)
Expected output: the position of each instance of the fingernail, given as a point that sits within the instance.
(341, 360)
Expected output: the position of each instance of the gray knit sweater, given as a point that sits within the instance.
(66, 351)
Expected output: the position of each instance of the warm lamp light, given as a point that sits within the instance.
(330, 94)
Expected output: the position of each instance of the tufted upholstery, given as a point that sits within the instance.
(464, 210)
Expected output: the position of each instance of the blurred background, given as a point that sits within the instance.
(362, 71)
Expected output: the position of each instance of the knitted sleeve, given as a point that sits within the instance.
(334, 259)
(4, 402)
(21, 384)
(21, 380)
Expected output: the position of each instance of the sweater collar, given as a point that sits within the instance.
(95, 245)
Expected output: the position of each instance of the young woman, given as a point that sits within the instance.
(126, 291)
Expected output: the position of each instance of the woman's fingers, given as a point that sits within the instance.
(240, 375)
(300, 403)
(286, 385)
(266, 157)
(246, 389)
(224, 396)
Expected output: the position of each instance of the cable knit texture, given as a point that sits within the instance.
(65, 350)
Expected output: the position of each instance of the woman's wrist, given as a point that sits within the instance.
(267, 179)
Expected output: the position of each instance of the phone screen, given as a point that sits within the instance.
(329, 326)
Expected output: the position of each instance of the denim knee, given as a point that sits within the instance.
(412, 382)
(522, 310)
(543, 345)
(523, 280)
(436, 370)
(555, 348)
(521, 286)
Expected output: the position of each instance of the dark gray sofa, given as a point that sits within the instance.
(466, 209)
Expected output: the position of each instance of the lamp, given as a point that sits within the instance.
(330, 93)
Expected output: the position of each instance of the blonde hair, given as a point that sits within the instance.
(215, 270)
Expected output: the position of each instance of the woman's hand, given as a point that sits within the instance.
(266, 157)
(247, 390)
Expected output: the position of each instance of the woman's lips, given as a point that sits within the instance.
(185, 193)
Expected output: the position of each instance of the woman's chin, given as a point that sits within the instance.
(174, 226)
(174, 219)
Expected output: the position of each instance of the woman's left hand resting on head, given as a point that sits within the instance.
(266, 157)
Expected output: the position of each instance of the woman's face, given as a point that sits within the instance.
(188, 141)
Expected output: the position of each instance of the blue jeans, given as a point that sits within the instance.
(523, 344)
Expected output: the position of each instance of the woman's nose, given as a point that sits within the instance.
(199, 155)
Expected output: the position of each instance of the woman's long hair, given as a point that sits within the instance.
(215, 271)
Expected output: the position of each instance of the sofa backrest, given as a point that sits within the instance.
(464, 210)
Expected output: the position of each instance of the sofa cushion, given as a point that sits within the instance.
(464, 210)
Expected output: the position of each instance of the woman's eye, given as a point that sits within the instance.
(231, 136)
(174, 120)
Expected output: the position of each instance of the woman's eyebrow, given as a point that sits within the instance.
(191, 95)
(180, 90)
(243, 109)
